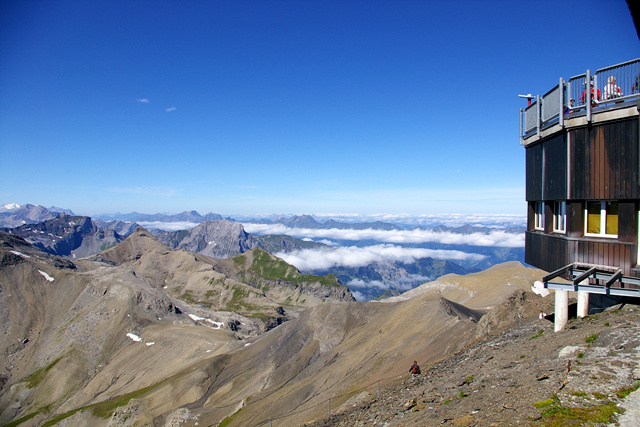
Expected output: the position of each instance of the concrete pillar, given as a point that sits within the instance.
(583, 304)
(561, 315)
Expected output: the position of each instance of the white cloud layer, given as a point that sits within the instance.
(430, 220)
(496, 237)
(351, 256)
(168, 226)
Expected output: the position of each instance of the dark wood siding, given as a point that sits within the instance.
(628, 221)
(547, 170)
(555, 168)
(534, 172)
(547, 252)
(579, 163)
(575, 219)
(550, 252)
(604, 161)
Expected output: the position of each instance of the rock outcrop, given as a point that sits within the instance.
(218, 239)
(67, 235)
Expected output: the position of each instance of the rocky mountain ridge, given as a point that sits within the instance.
(67, 235)
(14, 215)
(128, 335)
(186, 216)
(218, 239)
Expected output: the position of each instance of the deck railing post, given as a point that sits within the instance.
(521, 127)
(562, 103)
(538, 114)
(587, 92)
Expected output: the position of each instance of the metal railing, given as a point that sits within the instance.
(611, 87)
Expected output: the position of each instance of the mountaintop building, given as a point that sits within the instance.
(582, 143)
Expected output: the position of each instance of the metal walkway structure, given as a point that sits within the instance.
(587, 279)
(595, 279)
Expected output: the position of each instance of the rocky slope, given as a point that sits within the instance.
(527, 376)
(67, 235)
(255, 284)
(218, 239)
(127, 338)
(123, 228)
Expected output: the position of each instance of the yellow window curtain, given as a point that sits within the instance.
(593, 217)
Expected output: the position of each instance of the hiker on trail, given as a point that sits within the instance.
(415, 369)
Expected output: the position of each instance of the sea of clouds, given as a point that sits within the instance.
(352, 256)
(495, 237)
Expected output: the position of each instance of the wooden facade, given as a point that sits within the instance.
(587, 163)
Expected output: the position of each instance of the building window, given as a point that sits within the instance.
(601, 219)
(560, 217)
(538, 223)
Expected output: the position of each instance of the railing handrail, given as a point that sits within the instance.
(622, 64)
(612, 85)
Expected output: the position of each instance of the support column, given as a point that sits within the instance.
(561, 316)
(583, 304)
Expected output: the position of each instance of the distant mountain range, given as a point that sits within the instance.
(67, 235)
(307, 221)
(14, 215)
(57, 231)
(186, 216)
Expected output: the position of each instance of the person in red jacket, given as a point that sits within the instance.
(415, 369)
(595, 95)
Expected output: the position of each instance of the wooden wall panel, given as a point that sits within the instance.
(555, 168)
(550, 252)
(534, 172)
(579, 163)
(604, 161)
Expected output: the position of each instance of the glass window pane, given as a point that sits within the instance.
(612, 218)
(593, 217)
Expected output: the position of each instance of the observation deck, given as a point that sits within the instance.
(615, 94)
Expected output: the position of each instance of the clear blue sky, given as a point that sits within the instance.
(284, 106)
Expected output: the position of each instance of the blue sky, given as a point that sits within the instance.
(259, 107)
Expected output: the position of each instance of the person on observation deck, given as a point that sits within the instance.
(595, 95)
(611, 90)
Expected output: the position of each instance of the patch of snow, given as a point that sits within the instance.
(216, 325)
(134, 337)
(247, 344)
(150, 344)
(20, 254)
(11, 206)
(539, 289)
(46, 276)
